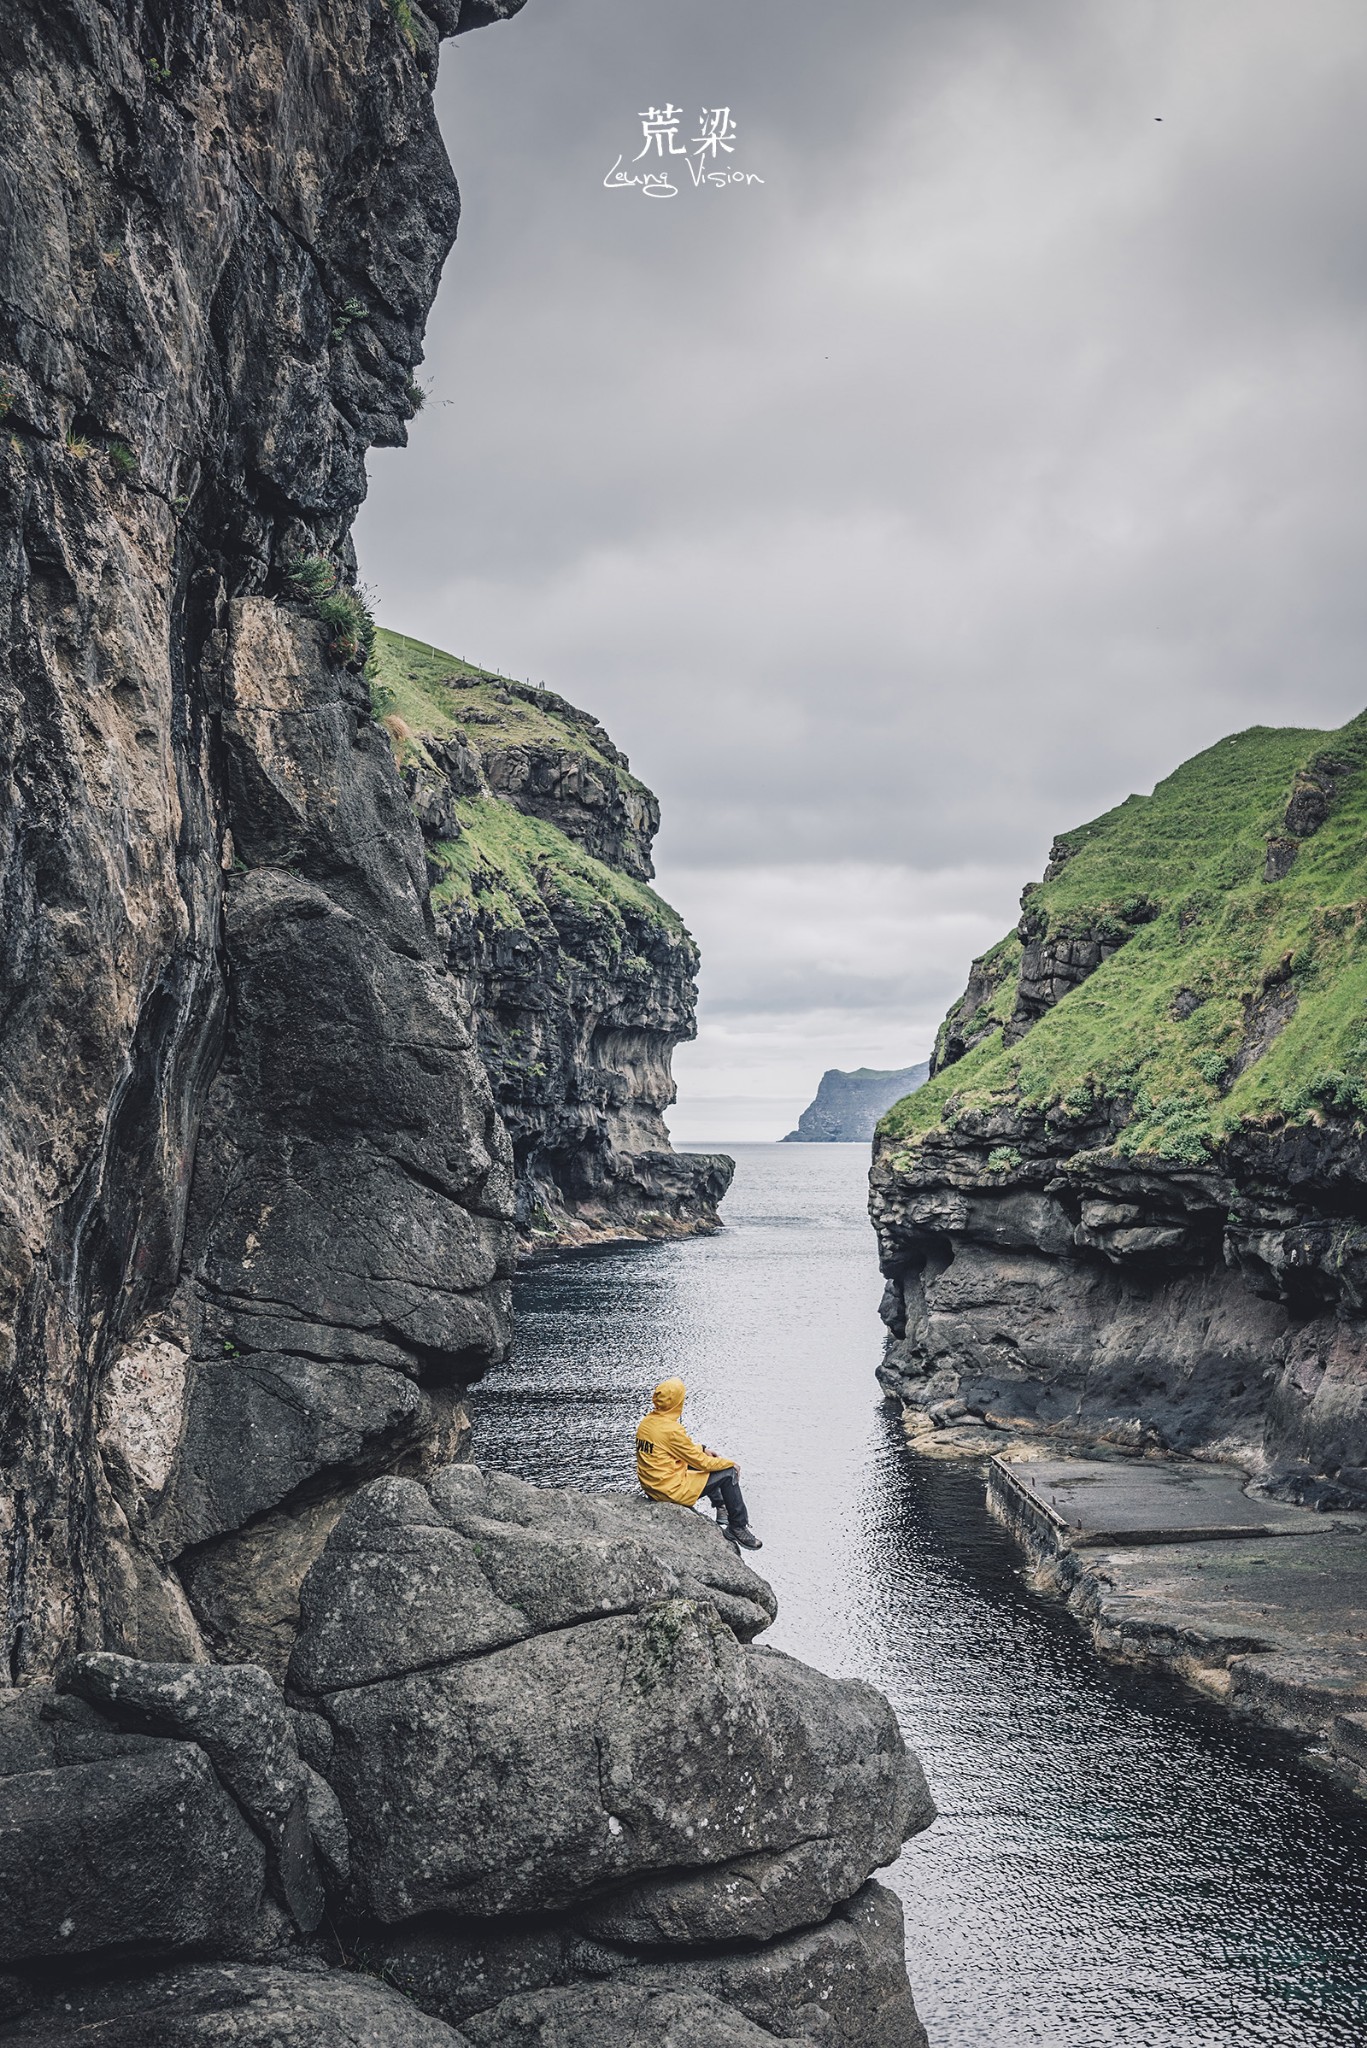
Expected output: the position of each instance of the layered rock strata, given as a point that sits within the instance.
(581, 979)
(1129, 1205)
(527, 1771)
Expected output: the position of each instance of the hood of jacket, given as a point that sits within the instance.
(668, 1398)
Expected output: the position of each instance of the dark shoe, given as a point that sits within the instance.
(743, 1537)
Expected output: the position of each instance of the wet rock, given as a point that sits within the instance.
(1175, 1568)
(251, 2006)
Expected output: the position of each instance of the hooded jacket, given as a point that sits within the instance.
(669, 1465)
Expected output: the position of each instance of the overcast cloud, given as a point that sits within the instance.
(1002, 448)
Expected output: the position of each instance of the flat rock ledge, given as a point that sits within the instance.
(529, 1784)
(1177, 1566)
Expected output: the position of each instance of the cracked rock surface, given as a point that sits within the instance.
(537, 1697)
(588, 1803)
(251, 2006)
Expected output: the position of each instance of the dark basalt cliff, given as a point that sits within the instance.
(580, 978)
(291, 1700)
(1131, 1205)
(252, 1170)
(847, 1106)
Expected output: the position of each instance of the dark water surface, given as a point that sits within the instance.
(1115, 1862)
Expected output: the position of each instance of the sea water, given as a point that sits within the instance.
(1116, 1861)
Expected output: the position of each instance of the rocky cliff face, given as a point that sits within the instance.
(252, 1172)
(264, 1712)
(847, 1107)
(1132, 1203)
(580, 978)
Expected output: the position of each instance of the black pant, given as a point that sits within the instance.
(723, 1490)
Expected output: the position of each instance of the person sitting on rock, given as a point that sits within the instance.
(670, 1466)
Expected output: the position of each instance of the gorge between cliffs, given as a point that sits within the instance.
(349, 1695)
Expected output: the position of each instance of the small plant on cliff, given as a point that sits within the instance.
(310, 577)
(76, 445)
(347, 315)
(343, 611)
(414, 393)
(1173, 1127)
(1330, 1090)
(122, 460)
(349, 623)
(6, 395)
(159, 74)
(1212, 1066)
(1003, 1159)
(402, 13)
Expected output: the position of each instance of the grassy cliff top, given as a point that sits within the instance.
(503, 859)
(505, 863)
(1243, 1001)
(437, 694)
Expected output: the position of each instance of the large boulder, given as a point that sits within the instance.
(532, 1777)
(416, 1575)
(116, 1846)
(249, 2006)
(842, 1983)
(543, 1701)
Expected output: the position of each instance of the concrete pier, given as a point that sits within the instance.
(1087, 1503)
(1177, 1566)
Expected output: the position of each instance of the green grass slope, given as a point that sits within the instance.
(1224, 941)
(499, 865)
(410, 680)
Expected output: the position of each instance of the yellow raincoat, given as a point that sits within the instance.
(669, 1465)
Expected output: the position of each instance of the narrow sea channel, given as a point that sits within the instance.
(1115, 1862)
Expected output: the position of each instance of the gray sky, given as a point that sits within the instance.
(1002, 448)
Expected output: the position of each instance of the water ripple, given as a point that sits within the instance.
(1117, 1864)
